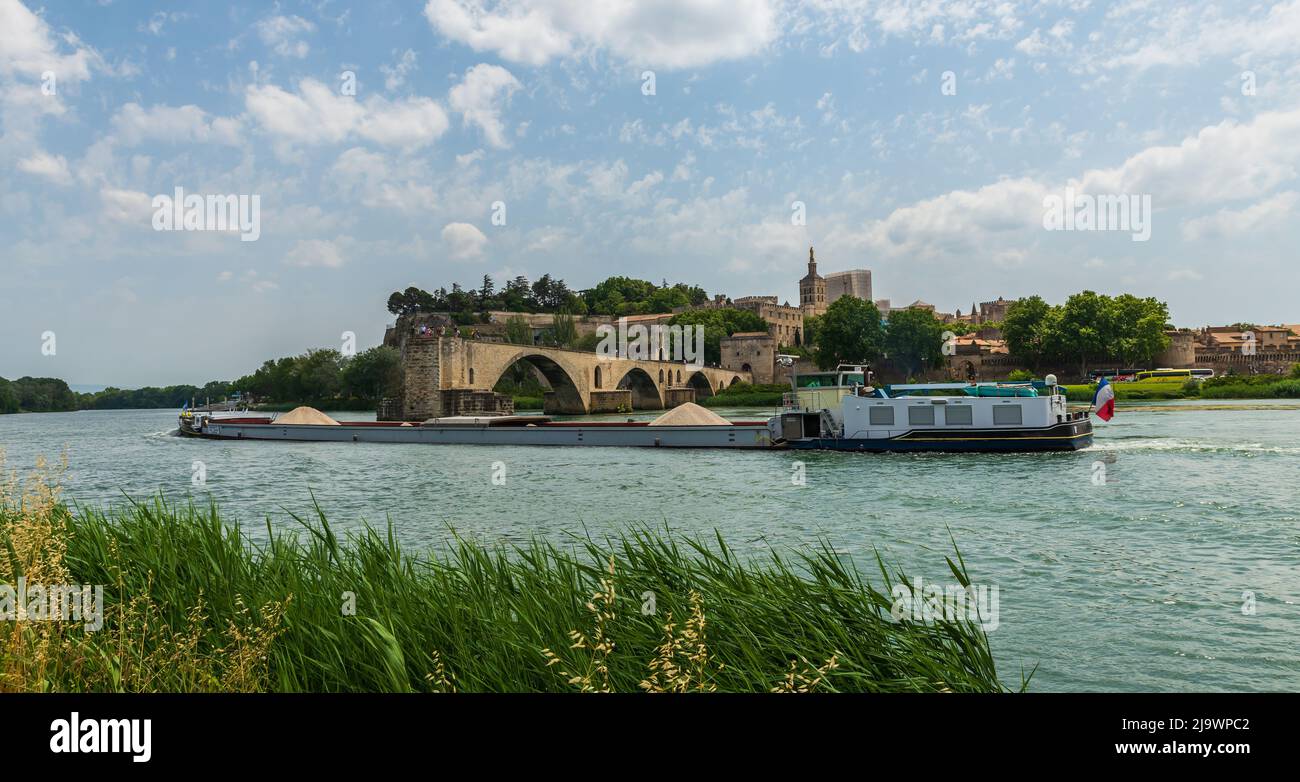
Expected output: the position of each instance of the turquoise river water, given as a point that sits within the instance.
(1134, 583)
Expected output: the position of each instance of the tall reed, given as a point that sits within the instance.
(194, 605)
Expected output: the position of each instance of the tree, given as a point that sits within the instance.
(849, 333)
(411, 301)
(811, 327)
(8, 399)
(1026, 329)
(1137, 329)
(372, 374)
(617, 296)
(518, 332)
(717, 323)
(486, 294)
(563, 332)
(319, 375)
(1080, 332)
(914, 340)
(620, 296)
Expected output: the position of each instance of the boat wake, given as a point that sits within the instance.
(1178, 445)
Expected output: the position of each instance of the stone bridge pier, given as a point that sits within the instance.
(442, 371)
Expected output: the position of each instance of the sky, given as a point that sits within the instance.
(704, 141)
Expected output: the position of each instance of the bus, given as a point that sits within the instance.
(1163, 375)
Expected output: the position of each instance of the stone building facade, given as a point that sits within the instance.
(753, 352)
(784, 322)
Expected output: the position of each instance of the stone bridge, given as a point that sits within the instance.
(581, 382)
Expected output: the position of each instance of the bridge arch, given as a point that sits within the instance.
(563, 381)
(700, 382)
(645, 392)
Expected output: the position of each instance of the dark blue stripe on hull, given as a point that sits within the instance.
(1015, 445)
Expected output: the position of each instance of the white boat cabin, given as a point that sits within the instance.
(841, 404)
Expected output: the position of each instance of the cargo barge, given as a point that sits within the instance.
(497, 430)
(832, 411)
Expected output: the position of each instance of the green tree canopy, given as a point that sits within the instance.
(1088, 328)
(914, 340)
(849, 333)
(8, 397)
(719, 323)
(518, 332)
(372, 374)
(1026, 329)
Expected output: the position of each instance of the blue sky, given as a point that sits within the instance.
(541, 105)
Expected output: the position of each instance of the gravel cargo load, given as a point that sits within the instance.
(690, 414)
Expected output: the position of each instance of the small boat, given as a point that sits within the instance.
(841, 411)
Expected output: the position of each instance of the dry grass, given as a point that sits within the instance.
(138, 649)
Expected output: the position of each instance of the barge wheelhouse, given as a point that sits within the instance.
(840, 411)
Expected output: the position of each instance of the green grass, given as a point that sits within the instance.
(1223, 387)
(1132, 392)
(747, 395)
(469, 617)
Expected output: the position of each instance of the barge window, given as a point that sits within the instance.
(920, 416)
(881, 416)
(1007, 414)
(958, 415)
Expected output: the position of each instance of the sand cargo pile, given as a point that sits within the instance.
(307, 416)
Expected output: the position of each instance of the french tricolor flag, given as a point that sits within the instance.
(1103, 402)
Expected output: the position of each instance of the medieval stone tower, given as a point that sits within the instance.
(812, 290)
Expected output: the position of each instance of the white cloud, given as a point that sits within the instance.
(479, 96)
(284, 35)
(28, 47)
(1265, 215)
(317, 114)
(464, 241)
(1035, 45)
(669, 33)
(133, 124)
(395, 75)
(1222, 163)
(126, 206)
(315, 252)
(1189, 36)
(367, 177)
(51, 167)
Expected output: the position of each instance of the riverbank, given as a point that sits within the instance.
(1227, 387)
(191, 604)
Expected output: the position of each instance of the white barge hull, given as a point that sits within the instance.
(739, 435)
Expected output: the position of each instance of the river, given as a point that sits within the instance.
(1137, 582)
